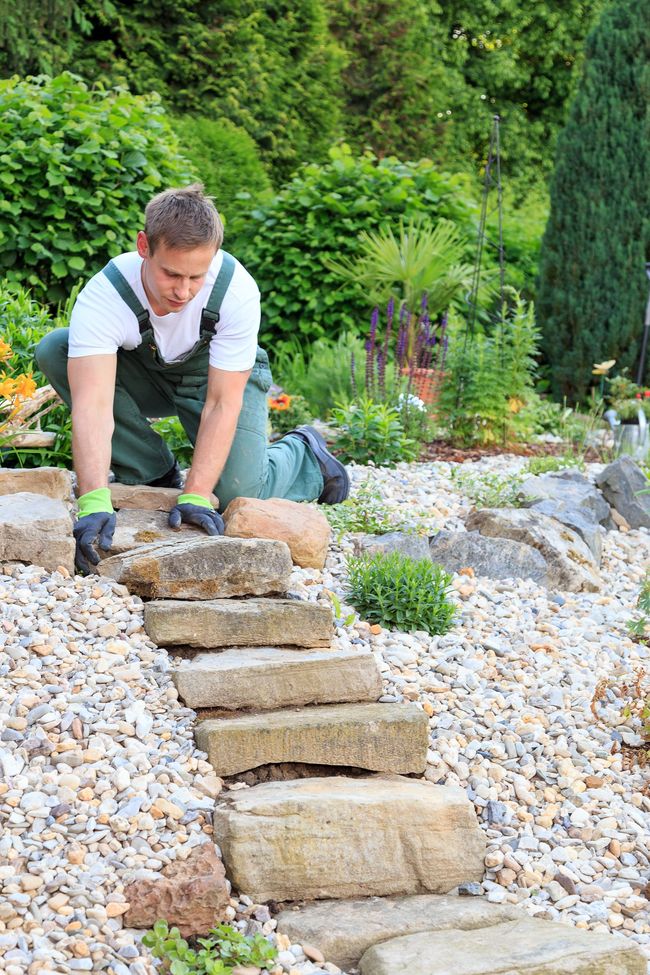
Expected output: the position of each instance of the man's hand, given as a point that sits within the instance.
(95, 523)
(194, 509)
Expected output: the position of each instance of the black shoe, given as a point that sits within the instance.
(336, 483)
(172, 479)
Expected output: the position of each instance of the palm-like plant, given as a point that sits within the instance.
(422, 265)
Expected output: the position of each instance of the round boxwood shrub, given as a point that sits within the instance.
(77, 167)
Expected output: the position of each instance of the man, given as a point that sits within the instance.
(171, 329)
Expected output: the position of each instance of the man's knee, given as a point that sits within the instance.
(51, 354)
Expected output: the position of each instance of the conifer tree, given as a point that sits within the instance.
(593, 285)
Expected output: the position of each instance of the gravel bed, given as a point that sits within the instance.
(101, 784)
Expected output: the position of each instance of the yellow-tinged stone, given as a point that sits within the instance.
(76, 855)
(116, 908)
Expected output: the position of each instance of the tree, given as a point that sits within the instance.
(593, 285)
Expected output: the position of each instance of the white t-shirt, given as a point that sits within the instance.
(102, 322)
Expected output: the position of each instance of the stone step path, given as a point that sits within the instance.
(376, 737)
(268, 678)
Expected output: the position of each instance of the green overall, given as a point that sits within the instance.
(146, 386)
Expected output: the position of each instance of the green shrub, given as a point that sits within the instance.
(318, 216)
(228, 164)
(488, 490)
(400, 592)
(545, 465)
(225, 949)
(78, 167)
(321, 371)
(364, 511)
(371, 432)
(288, 412)
(171, 430)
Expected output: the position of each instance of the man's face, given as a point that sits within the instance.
(172, 276)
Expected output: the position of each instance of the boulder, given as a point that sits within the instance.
(526, 947)
(145, 497)
(348, 837)
(202, 568)
(577, 520)
(238, 623)
(406, 543)
(569, 488)
(53, 482)
(377, 737)
(495, 558)
(140, 526)
(191, 894)
(571, 566)
(303, 527)
(344, 930)
(37, 530)
(622, 483)
(263, 678)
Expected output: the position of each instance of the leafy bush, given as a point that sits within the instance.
(544, 465)
(171, 430)
(488, 490)
(225, 949)
(320, 371)
(396, 591)
(364, 511)
(371, 432)
(227, 162)
(318, 216)
(78, 167)
(288, 412)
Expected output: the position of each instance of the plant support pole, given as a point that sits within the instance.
(644, 342)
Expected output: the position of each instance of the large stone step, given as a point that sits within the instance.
(214, 623)
(344, 930)
(263, 678)
(377, 737)
(524, 947)
(348, 837)
(202, 568)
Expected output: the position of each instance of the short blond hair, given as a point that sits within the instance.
(183, 218)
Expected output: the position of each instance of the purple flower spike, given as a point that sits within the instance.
(390, 309)
(425, 301)
(374, 321)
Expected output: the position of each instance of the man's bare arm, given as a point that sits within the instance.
(216, 430)
(92, 385)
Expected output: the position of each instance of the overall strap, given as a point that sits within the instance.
(127, 293)
(210, 314)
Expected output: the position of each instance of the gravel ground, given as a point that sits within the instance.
(101, 782)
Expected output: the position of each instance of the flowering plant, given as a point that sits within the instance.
(287, 412)
(14, 390)
(627, 397)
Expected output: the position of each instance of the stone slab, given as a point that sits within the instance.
(136, 527)
(571, 566)
(406, 543)
(344, 930)
(339, 837)
(303, 527)
(238, 623)
(53, 482)
(202, 568)
(264, 678)
(37, 530)
(495, 558)
(625, 485)
(377, 737)
(143, 496)
(525, 947)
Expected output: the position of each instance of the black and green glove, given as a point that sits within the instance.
(95, 523)
(194, 509)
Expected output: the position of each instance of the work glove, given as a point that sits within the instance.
(194, 509)
(95, 523)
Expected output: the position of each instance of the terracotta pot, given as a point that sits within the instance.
(425, 383)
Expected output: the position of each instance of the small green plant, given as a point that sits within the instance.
(544, 465)
(339, 619)
(397, 591)
(218, 954)
(364, 511)
(489, 490)
(639, 628)
(171, 430)
(371, 432)
(288, 412)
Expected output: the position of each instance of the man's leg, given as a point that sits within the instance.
(286, 469)
(138, 454)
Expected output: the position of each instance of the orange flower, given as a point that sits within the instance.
(5, 351)
(7, 386)
(25, 386)
(281, 402)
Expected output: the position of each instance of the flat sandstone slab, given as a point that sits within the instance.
(143, 496)
(262, 678)
(53, 482)
(348, 837)
(238, 623)
(136, 527)
(344, 930)
(202, 568)
(377, 737)
(525, 947)
(37, 530)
